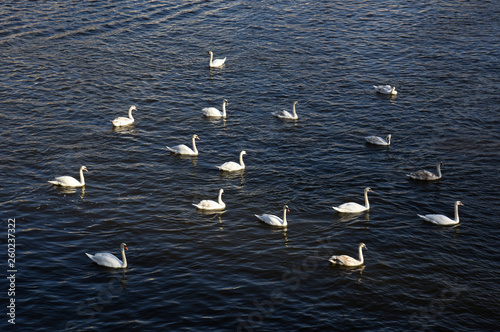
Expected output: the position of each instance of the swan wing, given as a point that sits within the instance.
(344, 260)
(66, 181)
(181, 149)
(438, 219)
(270, 219)
(211, 111)
(106, 259)
(350, 208)
(217, 62)
(121, 121)
(423, 175)
(376, 140)
(283, 114)
(209, 205)
(230, 166)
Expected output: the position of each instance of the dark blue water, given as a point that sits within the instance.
(69, 68)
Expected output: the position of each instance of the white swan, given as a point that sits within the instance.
(348, 260)
(425, 175)
(442, 220)
(213, 112)
(273, 220)
(184, 149)
(287, 115)
(378, 140)
(386, 89)
(110, 260)
(212, 205)
(233, 166)
(217, 62)
(122, 121)
(69, 181)
(354, 207)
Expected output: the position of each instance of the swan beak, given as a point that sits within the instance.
(125, 248)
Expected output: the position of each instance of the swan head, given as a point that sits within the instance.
(362, 245)
(286, 208)
(226, 102)
(221, 191)
(123, 245)
(368, 190)
(458, 203)
(389, 138)
(196, 136)
(133, 108)
(295, 102)
(210, 52)
(83, 168)
(243, 152)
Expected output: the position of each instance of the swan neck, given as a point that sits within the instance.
(456, 213)
(194, 145)
(439, 170)
(294, 112)
(130, 114)
(361, 258)
(284, 216)
(82, 179)
(124, 258)
(241, 160)
(367, 203)
(224, 109)
(220, 197)
(211, 57)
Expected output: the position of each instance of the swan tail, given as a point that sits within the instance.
(54, 182)
(171, 150)
(91, 257)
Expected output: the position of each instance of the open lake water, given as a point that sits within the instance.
(68, 68)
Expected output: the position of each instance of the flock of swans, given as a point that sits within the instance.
(109, 260)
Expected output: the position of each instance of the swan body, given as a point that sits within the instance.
(273, 220)
(231, 166)
(348, 260)
(386, 89)
(425, 175)
(287, 115)
(214, 112)
(217, 62)
(443, 220)
(122, 121)
(379, 140)
(69, 181)
(212, 205)
(353, 207)
(110, 260)
(184, 149)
